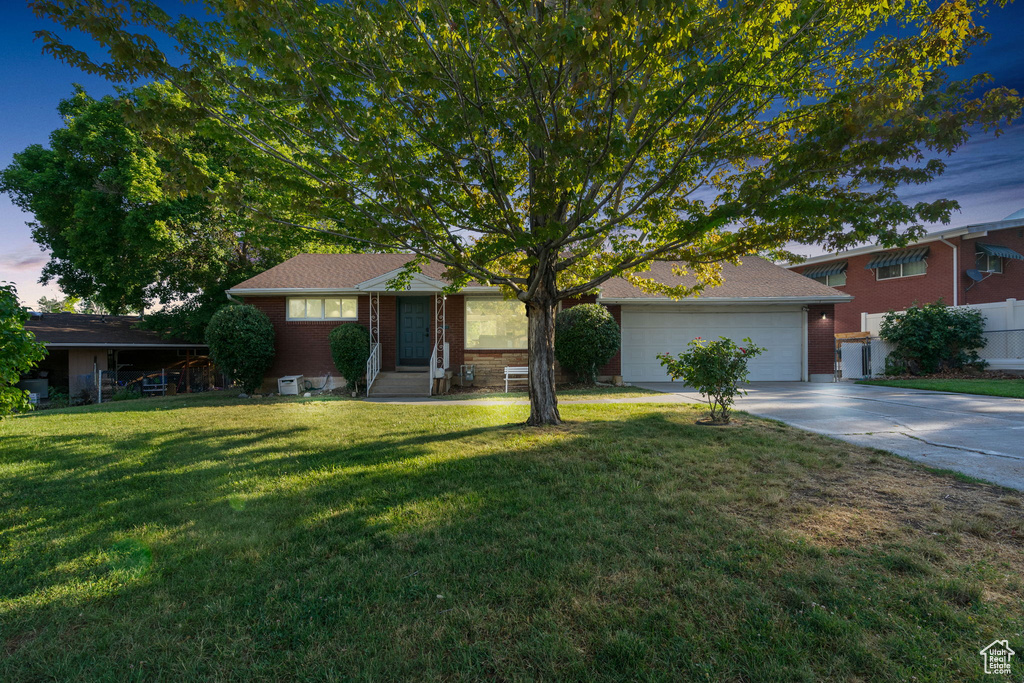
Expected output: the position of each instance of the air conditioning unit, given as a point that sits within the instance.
(290, 385)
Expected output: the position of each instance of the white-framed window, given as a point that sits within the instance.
(495, 323)
(987, 263)
(901, 270)
(833, 280)
(323, 308)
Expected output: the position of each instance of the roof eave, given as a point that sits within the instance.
(111, 345)
(730, 300)
(285, 291)
(871, 249)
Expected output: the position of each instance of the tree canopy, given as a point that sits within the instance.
(548, 146)
(133, 219)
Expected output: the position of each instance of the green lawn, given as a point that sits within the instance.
(207, 538)
(570, 394)
(1012, 388)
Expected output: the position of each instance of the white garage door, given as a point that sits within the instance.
(650, 330)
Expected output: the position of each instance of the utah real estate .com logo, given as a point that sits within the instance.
(997, 656)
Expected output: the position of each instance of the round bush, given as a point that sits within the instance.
(241, 341)
(350, 349)
(933, 337)
(586, 337)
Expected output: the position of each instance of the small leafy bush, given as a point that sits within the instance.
(586, 337)
(19, 351)
(58, 399)
(125, 394)
(932, 338)
(241, 341)
(715, 369)
(350, 349)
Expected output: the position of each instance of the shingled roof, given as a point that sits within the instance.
(332, 271)
(74, 329)
(756, 278)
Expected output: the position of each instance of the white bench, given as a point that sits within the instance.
(514, 373)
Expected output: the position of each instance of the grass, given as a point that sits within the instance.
(573, 393)
(1011, 388)
(208, 538)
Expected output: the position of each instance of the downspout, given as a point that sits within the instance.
(803, 345)
(956, 271)
(233, 299)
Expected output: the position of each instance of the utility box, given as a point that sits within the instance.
(289, 385)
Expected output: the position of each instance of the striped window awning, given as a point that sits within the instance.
(894, 258)
(1001, 252)
(823, 269)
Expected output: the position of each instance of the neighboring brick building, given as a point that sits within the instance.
(307, 296)
(974, 264)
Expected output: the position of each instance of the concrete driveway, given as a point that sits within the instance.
(982, 436)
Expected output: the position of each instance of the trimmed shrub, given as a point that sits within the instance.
(715, 369)
(241, 341)
(932, 338)
(586, 337)
(350, 349)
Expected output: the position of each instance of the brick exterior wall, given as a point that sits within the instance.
(303, 348)
(821, 339)
(455, 319)
(878, 296)
(999, 286)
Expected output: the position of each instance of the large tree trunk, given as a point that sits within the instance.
(543, 403)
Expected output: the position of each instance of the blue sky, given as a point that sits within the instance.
(986, 176)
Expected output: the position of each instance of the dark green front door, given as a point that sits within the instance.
(413, 330)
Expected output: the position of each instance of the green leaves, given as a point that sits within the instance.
(932, 338)
(350, 349)
(19, 351)
(546, 147)
(241, 341)
(715, 369)
(586, 337)
(133, 219)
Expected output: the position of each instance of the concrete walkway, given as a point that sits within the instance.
(982, 436)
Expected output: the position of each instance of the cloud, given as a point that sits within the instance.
(20, 262)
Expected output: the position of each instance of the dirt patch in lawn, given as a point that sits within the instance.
(876, 498)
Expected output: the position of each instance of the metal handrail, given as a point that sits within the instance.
(372, 366)
(430, 374)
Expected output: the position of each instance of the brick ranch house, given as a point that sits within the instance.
(974, 264)
(308, 295)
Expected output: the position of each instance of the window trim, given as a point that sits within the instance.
(988, 260)
(465, 316)
(901, 275)
(323, 308)
(831, 275)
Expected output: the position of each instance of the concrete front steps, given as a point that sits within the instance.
(401, 383)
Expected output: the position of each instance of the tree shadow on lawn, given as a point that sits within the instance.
(640, 546)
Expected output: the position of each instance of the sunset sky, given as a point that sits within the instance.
(986, 176)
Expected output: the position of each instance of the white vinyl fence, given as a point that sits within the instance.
(1004, 348)
(1004, 333)
(1001, 315)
